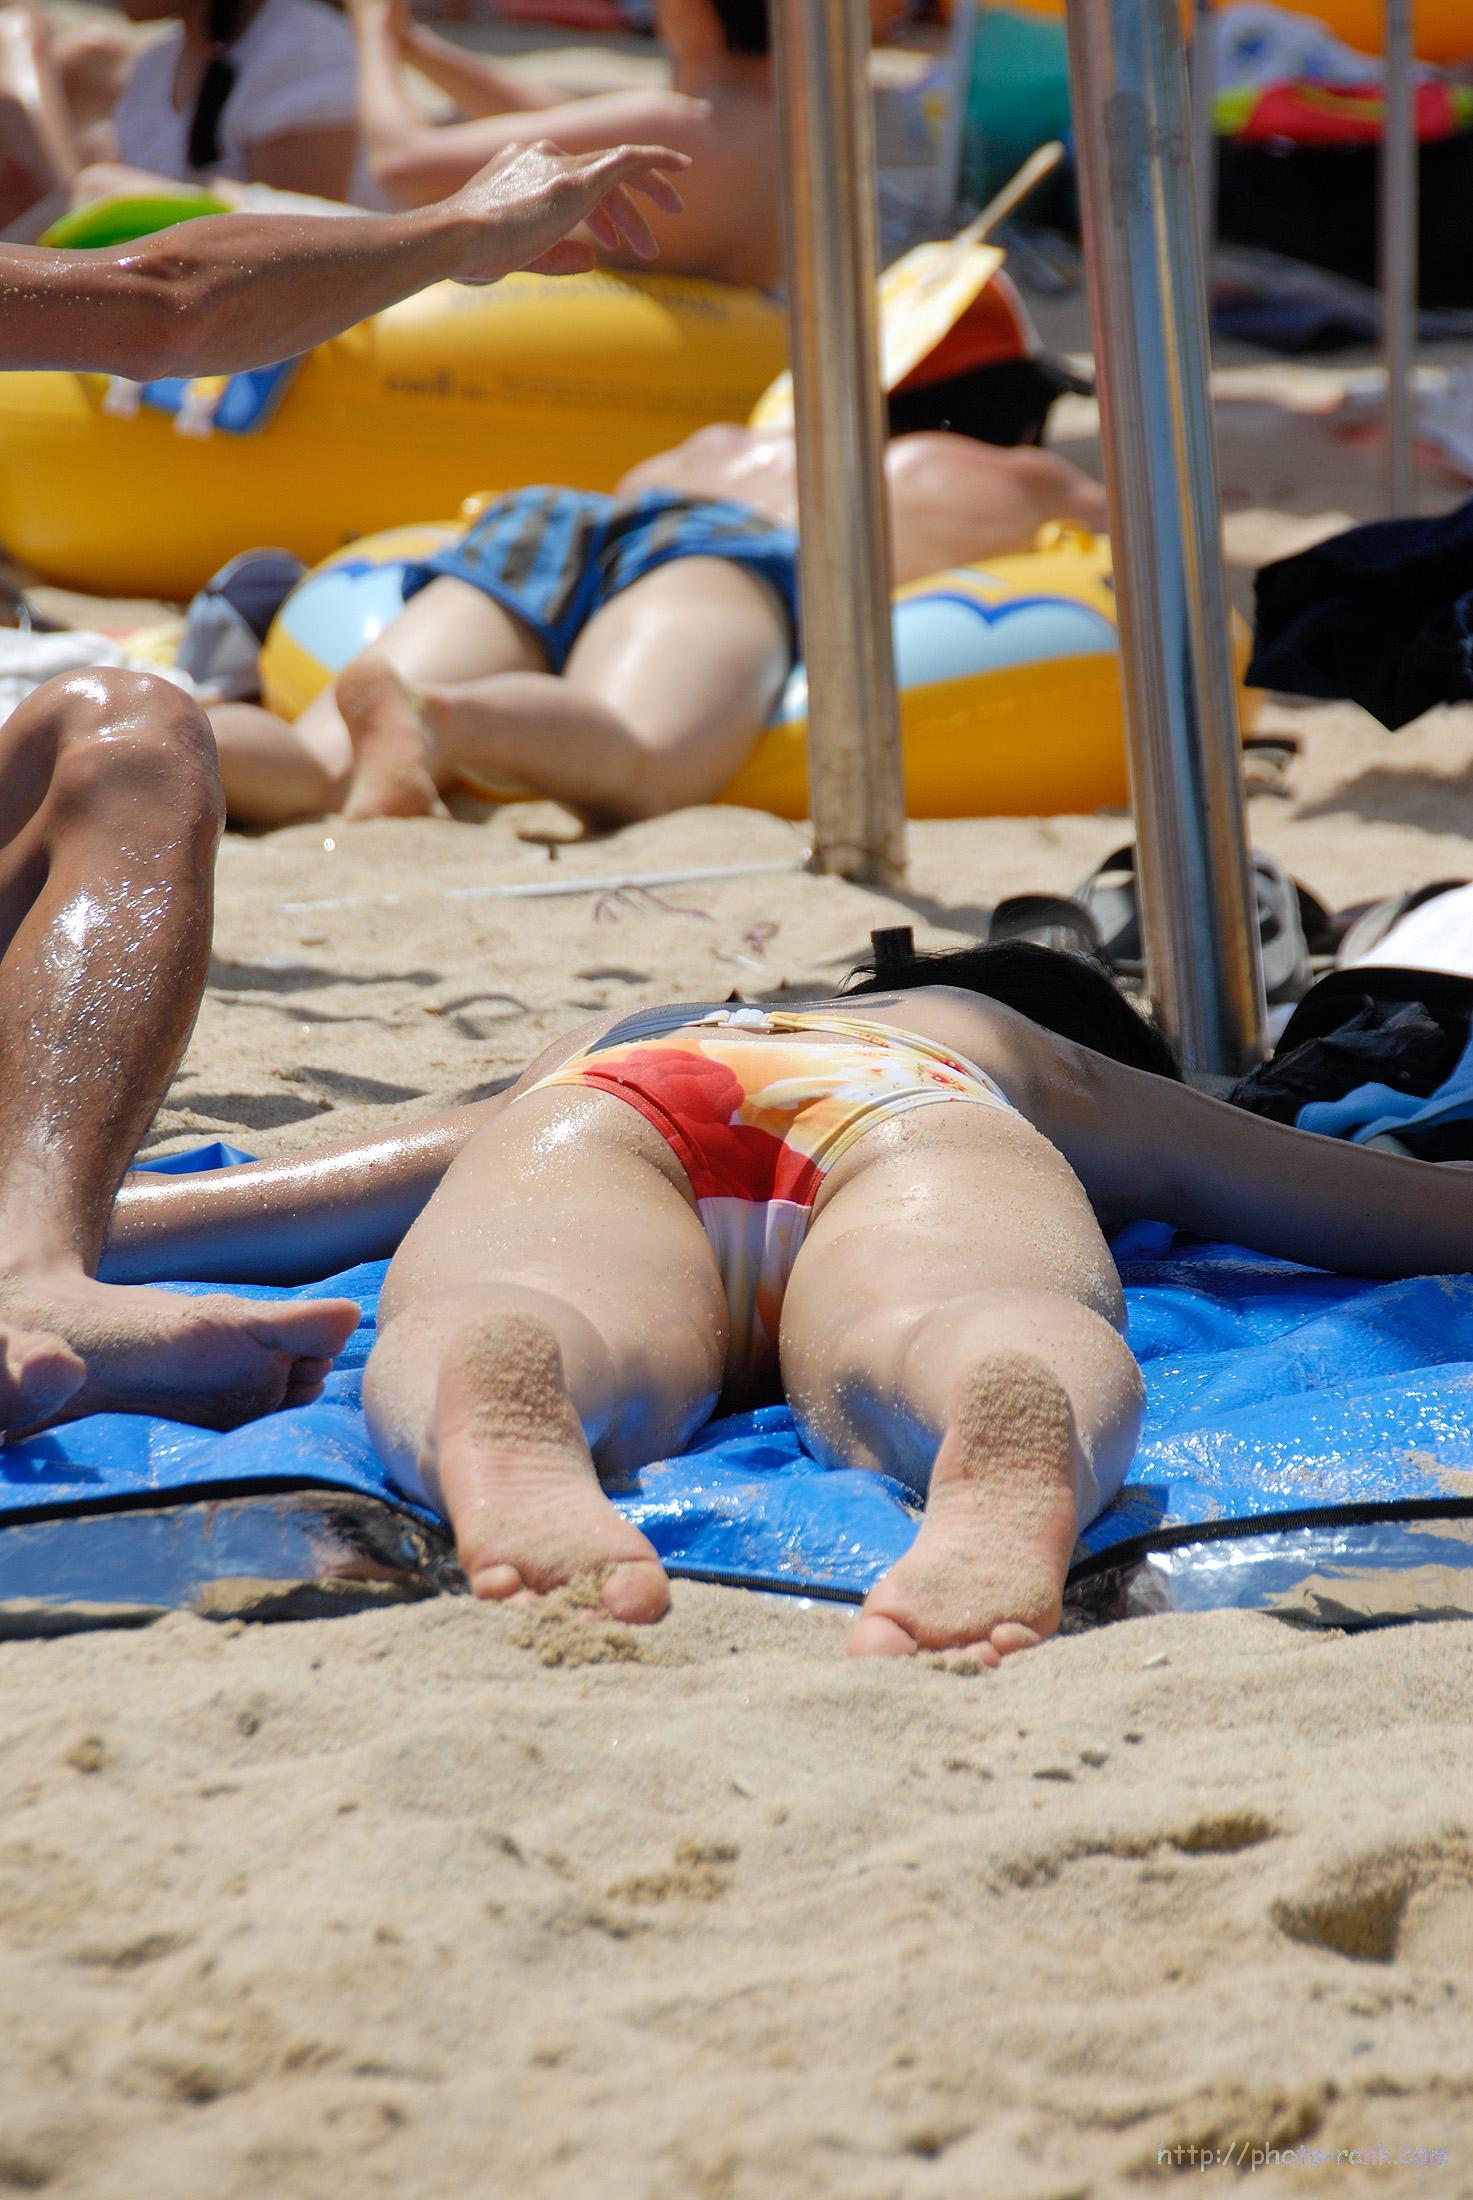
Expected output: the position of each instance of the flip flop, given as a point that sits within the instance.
(1291, 921)
(1365, 926)
(1047, 920)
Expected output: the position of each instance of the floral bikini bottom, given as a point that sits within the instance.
(757, 1107)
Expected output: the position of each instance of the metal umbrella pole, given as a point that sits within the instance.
(830, 227)
(1399, 182)
(959, 45)
(1204, 122)
(1128, 73)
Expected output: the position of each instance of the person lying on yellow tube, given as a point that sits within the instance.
(619, 653)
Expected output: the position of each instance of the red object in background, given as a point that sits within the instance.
(993, 328)
(1324, 114)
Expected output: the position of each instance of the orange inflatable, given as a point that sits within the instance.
(1444, 27)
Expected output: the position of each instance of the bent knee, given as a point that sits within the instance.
(132, 732)
(1074, 1337)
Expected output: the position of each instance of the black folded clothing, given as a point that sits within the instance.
(1394, 1043)
(1381, 616)
(1319, 203)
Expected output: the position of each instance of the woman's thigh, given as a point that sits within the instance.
(572, 1198)
(693, 657)
(951, 1228)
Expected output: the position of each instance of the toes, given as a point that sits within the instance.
(496, 1583)
(311, 1371)
(300, 1394)
(968, 1656)
(637, 1593)
(1011, 1634)
(307, 1329)
(319, 1328)
(875, 1636)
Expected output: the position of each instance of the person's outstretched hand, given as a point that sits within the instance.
(530, 196)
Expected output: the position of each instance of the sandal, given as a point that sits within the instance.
(1047, 920)
(1292, 923)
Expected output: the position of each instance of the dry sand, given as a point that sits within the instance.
(444, 1900)
(456, 1901)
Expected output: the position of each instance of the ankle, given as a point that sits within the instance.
(31, 1254)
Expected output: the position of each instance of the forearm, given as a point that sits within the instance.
(418, 164)
(1224, 1173)
(290, 1221)
(233, 291)
(220, 295)
(477, 85)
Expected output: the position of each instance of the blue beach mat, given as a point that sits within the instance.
(1272, 1392)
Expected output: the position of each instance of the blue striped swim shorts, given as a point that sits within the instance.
(553, 557)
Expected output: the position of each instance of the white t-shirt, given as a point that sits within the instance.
(296, 69)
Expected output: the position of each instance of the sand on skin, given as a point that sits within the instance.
(453, 1899)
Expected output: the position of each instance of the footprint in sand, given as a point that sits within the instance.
(1410, 1904)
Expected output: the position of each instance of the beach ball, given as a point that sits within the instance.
(341, 607)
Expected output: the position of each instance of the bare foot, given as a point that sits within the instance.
(38, 1374)
(519, 1481)
(986, 1571)
(215, 1361)
(393, 748)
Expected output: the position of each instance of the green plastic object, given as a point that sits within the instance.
(127, 215)
(1017, 99)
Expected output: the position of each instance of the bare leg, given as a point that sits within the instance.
(953, 1318)
(38, 153)
(541, 1324)
(274, 773)
(661, 701)
(111, 811)
(449, 633)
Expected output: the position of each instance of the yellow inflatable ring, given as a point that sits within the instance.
(1010, 703)
(1009, 677)
(528, 380)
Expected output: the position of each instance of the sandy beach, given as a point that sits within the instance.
(451, 1900)
(448, 1900)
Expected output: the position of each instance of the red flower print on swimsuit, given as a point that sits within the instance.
(693, 1101)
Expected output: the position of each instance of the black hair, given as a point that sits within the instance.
(1007, 402)
(1067, 993)
(217, 84)
(744, 25)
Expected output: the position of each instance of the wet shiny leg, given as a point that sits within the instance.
(111, 810)
(555, 1315)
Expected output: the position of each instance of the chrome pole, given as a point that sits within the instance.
(830, 233)
(1204, 123)
(1142, 247)
(1399, 254)
(959, 45)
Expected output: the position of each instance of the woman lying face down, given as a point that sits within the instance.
(887, 1207)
